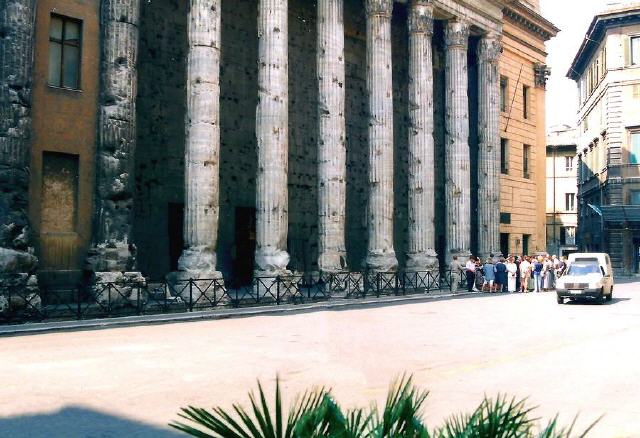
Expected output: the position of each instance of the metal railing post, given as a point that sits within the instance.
(278, 290)
(191, 295)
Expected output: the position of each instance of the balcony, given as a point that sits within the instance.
(624, 171)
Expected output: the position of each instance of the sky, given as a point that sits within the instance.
(572, 17)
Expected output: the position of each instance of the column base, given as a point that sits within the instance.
(19, 289)
(332, 261)
(463, 256)
(117, 289)
(485, 256)
(422, 261)
(379, 261)
(197, 281)
(111, 257)
(271, 263)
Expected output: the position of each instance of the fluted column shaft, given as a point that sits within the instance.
(381, 255)
(332, 152)
(17, 24)
(272, 132)
(115, 155)
(202, 145)
(421, 253)
(457, 157)
(488, 146)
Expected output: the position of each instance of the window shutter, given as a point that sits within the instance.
(626, 48)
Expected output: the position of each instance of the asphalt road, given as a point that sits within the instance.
(129, 382)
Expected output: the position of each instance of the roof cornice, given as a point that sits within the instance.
(526, 18)
(595, 35)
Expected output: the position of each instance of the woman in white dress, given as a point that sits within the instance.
(512, 270)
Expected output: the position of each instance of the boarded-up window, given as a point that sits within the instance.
(59, 192)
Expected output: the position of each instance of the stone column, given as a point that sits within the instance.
(112, 257)
(489, 146)
(272, 132)
(381, 256)
(332, 152)
(421, 246)
(113, 250)
(202, 142)
(17, 262)
(457, 157)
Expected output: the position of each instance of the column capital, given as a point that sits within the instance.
(379, 7)
(456, 33)
(421, 17)
(489, 48)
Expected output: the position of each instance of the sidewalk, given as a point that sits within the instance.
(226, 313)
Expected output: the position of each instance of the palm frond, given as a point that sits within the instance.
(402, 412)
(258, 422)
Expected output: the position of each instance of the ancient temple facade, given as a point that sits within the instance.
(218, 138)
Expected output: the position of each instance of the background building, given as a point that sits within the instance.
(562, 210)
(522, 128)
(607, 72)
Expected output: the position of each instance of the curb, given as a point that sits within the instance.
(206, 315)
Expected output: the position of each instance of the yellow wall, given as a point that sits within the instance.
(523, 198)
(64, 121)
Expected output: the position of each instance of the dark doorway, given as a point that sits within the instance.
(636, 256)
(504, 244)
(245, 244)
(525, 244)
(176, 237)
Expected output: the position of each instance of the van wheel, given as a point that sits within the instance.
(610, 296)
(560, 300)
(601, 297)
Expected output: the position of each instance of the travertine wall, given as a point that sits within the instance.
(523, 197)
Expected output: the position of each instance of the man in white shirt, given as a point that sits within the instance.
(470, 269)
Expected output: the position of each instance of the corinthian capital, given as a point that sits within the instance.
(456, 33)
(379, 7)
(421, 17)
(489, 48)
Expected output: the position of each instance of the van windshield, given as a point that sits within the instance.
(584, 269)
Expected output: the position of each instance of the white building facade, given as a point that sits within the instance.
(607, 72)
(562, 189)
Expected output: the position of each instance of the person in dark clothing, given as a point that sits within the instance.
(501, 276)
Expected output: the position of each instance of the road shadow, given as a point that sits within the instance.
(579, 302)
(79, 422)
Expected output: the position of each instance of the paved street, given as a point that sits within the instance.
(130, 381)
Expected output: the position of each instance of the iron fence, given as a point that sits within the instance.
(108, 300)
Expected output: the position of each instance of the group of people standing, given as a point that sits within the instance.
(511, 274)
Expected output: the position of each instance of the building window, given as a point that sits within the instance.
(635, 50)
(569, 201)
(64, 52)
(504, 156)
(505, 218)
(568, 164)
(634, 197)
(526, 151)
(525, 101)
(634, 147)
(567, 235)
(504, 93)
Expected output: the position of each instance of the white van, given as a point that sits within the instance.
(589, 276)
